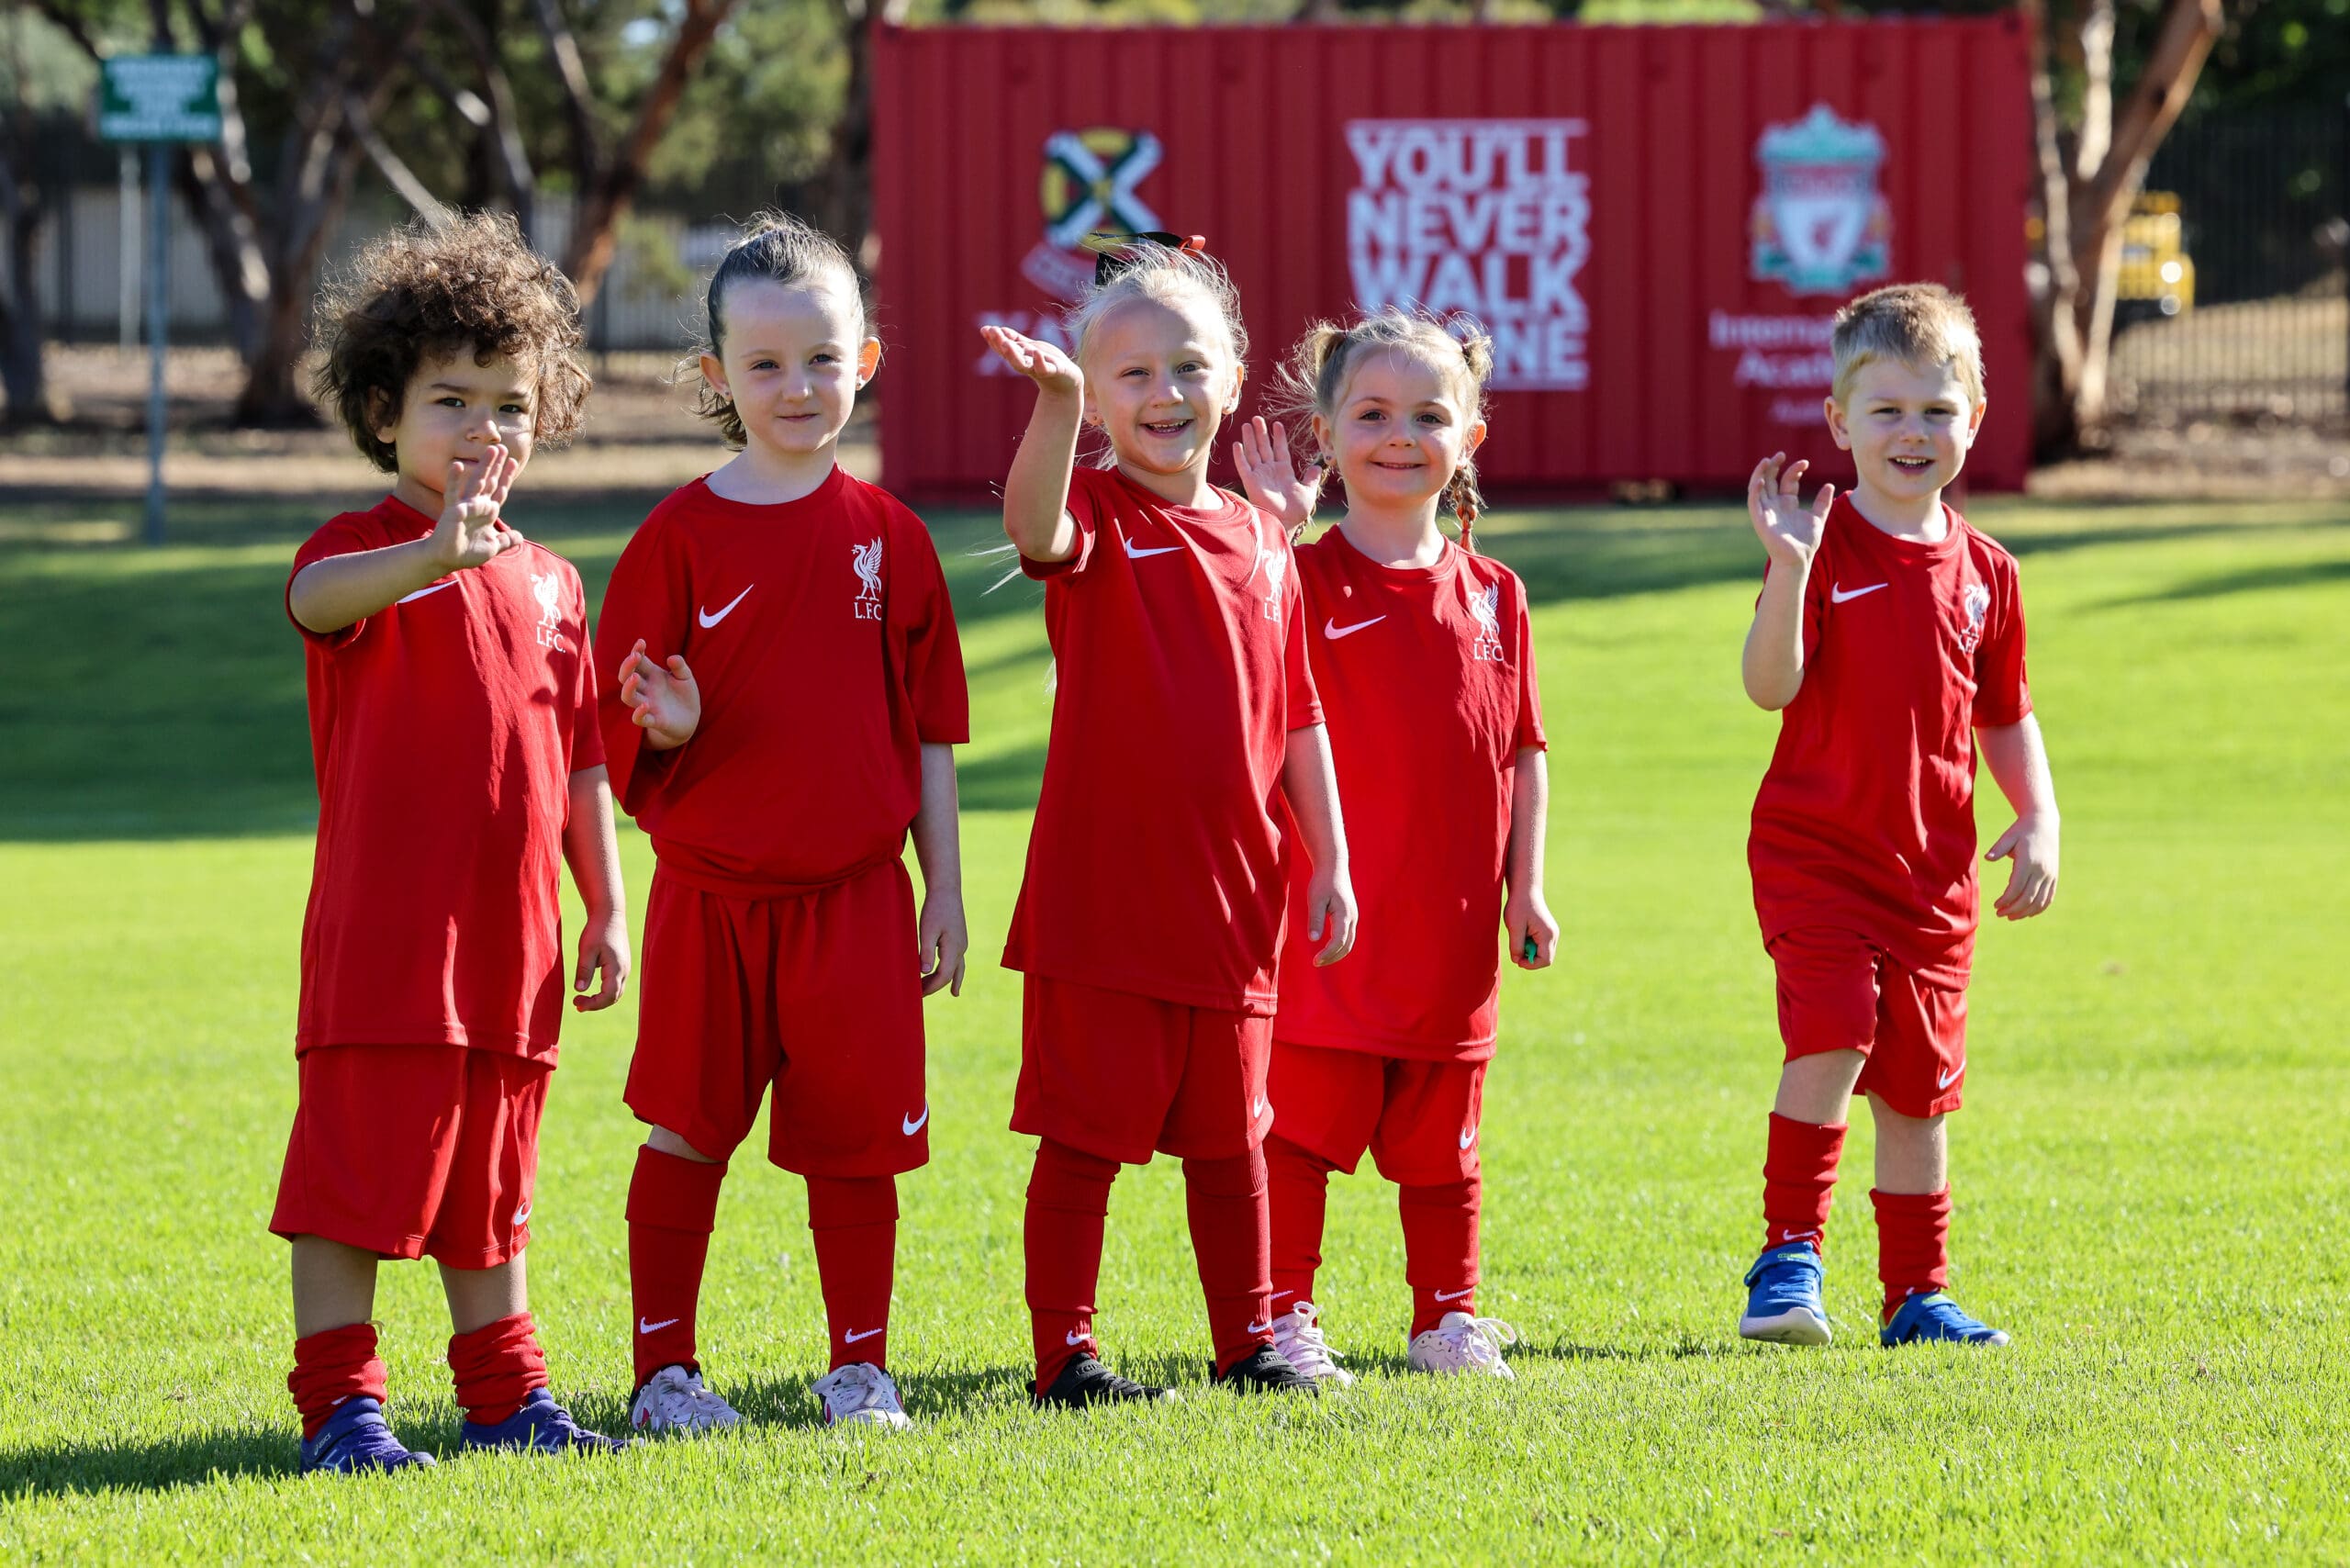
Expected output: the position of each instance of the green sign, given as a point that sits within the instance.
(160, 98)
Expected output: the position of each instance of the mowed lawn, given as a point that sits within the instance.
(2151, 1172)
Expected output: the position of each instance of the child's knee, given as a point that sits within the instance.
(667, 1142)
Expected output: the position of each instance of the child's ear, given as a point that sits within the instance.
(1323, 437)
(1475, 439)
(1835, 412)
(1974, 420)
(1239, 375)
(714, 374)
(868, 360)
(383, 415)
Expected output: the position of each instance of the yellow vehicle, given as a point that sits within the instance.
(2157, 274)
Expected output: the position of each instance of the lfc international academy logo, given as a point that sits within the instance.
(1821, 224)
(1088, 187)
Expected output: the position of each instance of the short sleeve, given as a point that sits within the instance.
(1304, 701)
(1085, 508)
(343, 536)
(587, 728)
(649, 597)
(930, 651)
(1529, 732)
(2002, 694)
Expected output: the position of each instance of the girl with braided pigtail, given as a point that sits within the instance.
(1421, 652)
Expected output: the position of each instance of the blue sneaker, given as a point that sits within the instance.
(1783, 1302)
(1932, 1318)
(355, 1437)
(541, 1427)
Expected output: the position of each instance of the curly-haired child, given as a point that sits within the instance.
(453, 723)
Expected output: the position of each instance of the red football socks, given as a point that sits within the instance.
(496, 1367)
(1068, 1198)
(1799, 1181)
(671, 1206)
(1912, 1244)
(332, 1366)
(1298, 1187)
(855, 1222)
(1232, 1237)
(1440, 1248)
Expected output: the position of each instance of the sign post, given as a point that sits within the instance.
(158, 99)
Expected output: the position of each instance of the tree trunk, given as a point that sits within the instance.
(22, 375)
(842, 192)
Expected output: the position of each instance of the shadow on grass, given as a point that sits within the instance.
(152, 1466)
(2222, 585)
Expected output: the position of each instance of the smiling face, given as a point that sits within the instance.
(792, 357)
(1906, 426)
(1399, 430)
(1159, 378)
(453, 411)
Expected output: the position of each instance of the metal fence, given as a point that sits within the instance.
(2237, 272)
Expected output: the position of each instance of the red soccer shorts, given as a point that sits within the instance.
(818, 994)
(1840, 992)
(1419, 1119)
(1120, 1076)
(415, 1151)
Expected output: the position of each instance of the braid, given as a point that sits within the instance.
(1462, 491)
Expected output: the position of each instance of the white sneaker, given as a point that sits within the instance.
(672, 1400)
(1298, 1338)
(861, 1394)
(1464, 1344)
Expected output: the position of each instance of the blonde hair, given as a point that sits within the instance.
(1313, 382)
(1920, 324)
(1148, 270)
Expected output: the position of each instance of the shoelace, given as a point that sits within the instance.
(1948, 1314)
(852, 1389)
(1481, 1339)
(1298, 1337)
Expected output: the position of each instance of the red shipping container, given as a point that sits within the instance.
(1656, 223)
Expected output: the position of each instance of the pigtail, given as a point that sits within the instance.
(1461, 494)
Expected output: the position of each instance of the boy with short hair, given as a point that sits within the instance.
(452, 725)
(1891, 635)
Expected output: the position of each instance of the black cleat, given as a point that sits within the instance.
(1085, 1380)
(1266, 1370)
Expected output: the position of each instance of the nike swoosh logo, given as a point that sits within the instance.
(522, 1215)
(847, 1339)
(912, 1124)
(1264, 1327)
(1260, 1110)
(1076, 1335)
(1455, 1296)
(709, 621)
(1467, 1138)
(644, 1328)
(1278, 1294)
(1944, 1080)
(1838, 595)
(1333, 630)
(1134, 554)
(436, 587)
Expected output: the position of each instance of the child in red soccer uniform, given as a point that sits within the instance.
(453, 725)
(1891, 634)
(787, 709)
(1425, 664)
(1150, 917)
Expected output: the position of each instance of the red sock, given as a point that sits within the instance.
(1912, 1243)
(332, 1366)
(1799, 1181)
(1440, 1248)
(672, 1205)
(1232, 1235)
(1297, 1185)
(855, 1220)
(496, 1367)
(1068, 1198)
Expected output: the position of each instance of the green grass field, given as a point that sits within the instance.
(2150, 1173)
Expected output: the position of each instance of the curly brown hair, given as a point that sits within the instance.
(422, 293)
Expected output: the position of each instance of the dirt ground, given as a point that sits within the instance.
(641, 435)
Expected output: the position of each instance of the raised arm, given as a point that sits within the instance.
(1036, 492)
(2017, 759)
(326, 596)
(1311, 782)
(1772, 664)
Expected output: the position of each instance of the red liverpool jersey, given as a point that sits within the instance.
(444, 730)
(1865, 819)
(1427, 683)
(1158, 862)
(820, 635)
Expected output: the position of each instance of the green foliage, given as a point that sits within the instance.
(2148, 1172)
